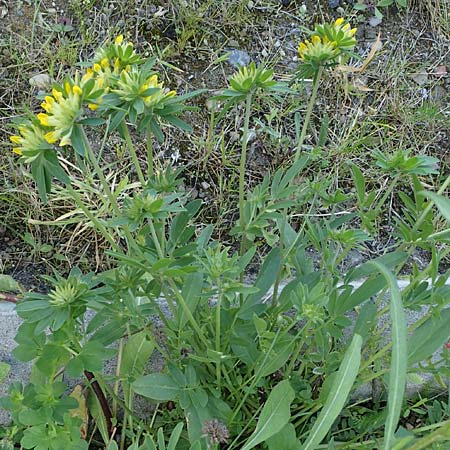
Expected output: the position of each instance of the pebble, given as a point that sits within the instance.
(239, 58)
(52, 10)
(205, 185)
(334, 3)
(40, 81)
(374, 21)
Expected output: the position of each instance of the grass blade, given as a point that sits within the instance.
(399, 358)
(338, 394)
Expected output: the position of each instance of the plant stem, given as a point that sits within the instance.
(118, 368)
(101, 399)
(131, 149)
(243, 159)
(175, 290)
(312, 100)
(218, 308)
(99, 172)
(149, 147)
(100, 227)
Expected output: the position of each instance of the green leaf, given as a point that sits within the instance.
(274, 415)
(429, 337)
(360, 184)
(339, 392)
(366, 320)
(175, 436)
(278, 357)
(8, 284)
(384, 3)
(4, 370)
(285, 439)
(136, 353)
(157, 386)
(77, 139)
(193, 285)
(181, 124)
(266, 278)
(442, 203)
(399, 358)
(369, 288)
(389, 260)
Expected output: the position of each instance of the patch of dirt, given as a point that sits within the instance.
(400, 101)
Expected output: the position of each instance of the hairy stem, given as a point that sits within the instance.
(312, 100)
(132, 150)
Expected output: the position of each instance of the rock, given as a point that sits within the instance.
(239, 58)
(334, 3)
(439, 94)
(40, 81)
(420, 78)
(374, 21)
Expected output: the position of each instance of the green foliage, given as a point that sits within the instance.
(263, 363)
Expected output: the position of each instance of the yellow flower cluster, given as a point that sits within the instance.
(114, 69)
(328, 41)
(62, 109)
(317, 50)
(31, 138)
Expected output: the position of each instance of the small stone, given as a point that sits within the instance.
(374, 21)
(420, 78)
(334, 3)
(205, 185)
(239, 58)
(40, 81)
(52, 10)
(277, 43)
(264, 53)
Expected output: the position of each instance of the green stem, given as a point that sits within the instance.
(99, 172)
(149, 147)
(218, 310)
(117, 382)
(243, 159)
(431, 204)
(312, 100)
(100, 227)
(131, 149)
(176, 291)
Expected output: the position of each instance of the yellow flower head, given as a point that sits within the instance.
(317, 51)
(155, 98)
(31, 139)
(251, 77)
(61, 110)
(340, 33)
(132, 85)
(116, 56)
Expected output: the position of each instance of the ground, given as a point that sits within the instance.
(401, 100)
